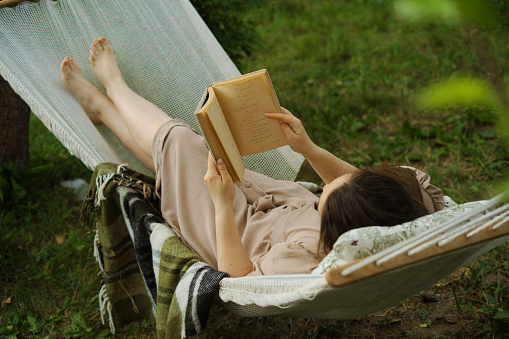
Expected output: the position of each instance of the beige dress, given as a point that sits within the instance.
(277, 220)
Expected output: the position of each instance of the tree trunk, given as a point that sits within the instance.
(14, 122)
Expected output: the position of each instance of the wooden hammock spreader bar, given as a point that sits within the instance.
(470, 228)
(435, 231)
(438, 230)
(499, 228)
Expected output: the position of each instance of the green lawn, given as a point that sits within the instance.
(350, 71)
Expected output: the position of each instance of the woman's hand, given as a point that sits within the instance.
(295, 133)
(231, 254)
(327, 165)
(219, 183)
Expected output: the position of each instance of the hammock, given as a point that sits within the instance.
(169, 56)
(369, 269)
(165, 51)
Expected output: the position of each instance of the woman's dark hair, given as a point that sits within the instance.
(381, 196)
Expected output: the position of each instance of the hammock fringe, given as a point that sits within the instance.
(105, 308)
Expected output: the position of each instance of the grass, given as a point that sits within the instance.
(349, 70)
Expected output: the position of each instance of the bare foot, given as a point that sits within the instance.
(92, 100)
(104, 64)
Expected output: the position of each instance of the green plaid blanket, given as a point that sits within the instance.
(147, 272)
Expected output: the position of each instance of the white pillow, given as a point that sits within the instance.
(363, 242)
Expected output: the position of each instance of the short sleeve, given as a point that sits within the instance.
(285, 258)
(432, 196)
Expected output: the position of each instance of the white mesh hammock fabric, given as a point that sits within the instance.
(169, 56)
(165, 51)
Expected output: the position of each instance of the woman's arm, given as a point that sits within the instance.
(327, 165)
(231, 254)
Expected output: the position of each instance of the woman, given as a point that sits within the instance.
(259, 226)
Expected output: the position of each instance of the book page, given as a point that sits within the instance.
(244, 103)
(226, 140)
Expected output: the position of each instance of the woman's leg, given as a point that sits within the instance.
(141, 117)
(99, 108)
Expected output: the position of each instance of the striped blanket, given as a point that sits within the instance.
(147, 273)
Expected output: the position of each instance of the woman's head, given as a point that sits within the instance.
(382, 196)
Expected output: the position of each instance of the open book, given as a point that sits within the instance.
(231, 117)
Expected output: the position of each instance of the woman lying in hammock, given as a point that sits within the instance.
(259, 226)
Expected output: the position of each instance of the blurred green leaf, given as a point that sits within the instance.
(78, 320)
(501, 315)
(7, 218)
(458, 92)
(9, 332)
(35, 174)
(34, 327)
(488, 134)
(447, 11)
(416, 10)
(18, 191)
(477, 11)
